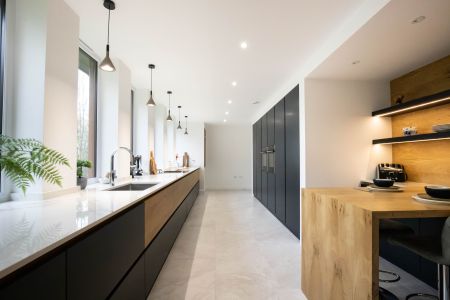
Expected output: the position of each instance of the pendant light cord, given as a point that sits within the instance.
(151, 81)
(109, 18)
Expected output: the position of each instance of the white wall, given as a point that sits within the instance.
(142, 127)
(193, 144)
(339, 130)
(43, 60)
(228, 157)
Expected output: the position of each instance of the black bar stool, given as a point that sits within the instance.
(435, 248)
(388, 229)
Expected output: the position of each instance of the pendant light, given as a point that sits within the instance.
(179, 117)
(150, 101)
(185, 131)
(169, 117)
(107, 64)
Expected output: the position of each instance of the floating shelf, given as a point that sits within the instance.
(416, 104)
(414, 138)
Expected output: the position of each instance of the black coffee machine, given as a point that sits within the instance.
(137, 163)
(392, 171)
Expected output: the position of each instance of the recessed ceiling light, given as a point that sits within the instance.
(418, 19)
(229, 101)
(255, 102)
(234, 83)
(244, 45)
(356, 62)
(224, 120)
(227, 113)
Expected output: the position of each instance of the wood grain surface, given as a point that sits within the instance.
(160, 206)
(340, 238)
(424, 161)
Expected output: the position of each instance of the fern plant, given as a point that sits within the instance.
(23, 160)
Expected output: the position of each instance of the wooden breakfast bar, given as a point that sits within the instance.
(340, 238)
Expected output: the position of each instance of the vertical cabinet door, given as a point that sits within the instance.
(264, 160)
(255, 155)
(45, 281)
(270, 118)
(292, 161)
(133, 285)
(97, 263)
(280, 176)
(258, 160)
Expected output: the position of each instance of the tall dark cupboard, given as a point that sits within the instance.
(276, 161)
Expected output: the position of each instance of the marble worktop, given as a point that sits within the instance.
(30, 228)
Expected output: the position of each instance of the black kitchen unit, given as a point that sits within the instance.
(276, 161)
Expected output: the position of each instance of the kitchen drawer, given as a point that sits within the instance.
(96, 264)
(133, 285)
(47, 280)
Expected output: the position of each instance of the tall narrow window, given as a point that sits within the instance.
(132, 123)
(87, 111)
(2, 60)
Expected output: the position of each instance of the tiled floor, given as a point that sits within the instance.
(231, 247)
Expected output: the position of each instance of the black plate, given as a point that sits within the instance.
(436, 191)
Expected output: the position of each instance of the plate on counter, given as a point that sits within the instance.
(374, 188)
(441, 128)
(424, 198)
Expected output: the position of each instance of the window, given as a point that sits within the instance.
(2, 60)
(87, 111)
(132, 122)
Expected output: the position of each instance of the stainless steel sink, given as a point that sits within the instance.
(132, 187)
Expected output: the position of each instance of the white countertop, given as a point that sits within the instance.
(31, 228)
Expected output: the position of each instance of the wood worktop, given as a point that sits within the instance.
(383, 204)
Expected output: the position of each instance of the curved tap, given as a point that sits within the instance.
(132, 166)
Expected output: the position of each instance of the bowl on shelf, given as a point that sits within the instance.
(383, 182)
(438, 191)
(441, 128)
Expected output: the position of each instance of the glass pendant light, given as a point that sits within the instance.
(107, 64)
(169, 117)
(150, 101)
(185, 131)
(179, 117)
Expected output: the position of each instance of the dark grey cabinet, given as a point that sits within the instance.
(270, 117)
(255, 154)
(292, 131)
(280, 167)
(133, 285)
(96, 264)
(277, 167)
(46, 280)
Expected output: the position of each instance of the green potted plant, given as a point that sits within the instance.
(82, 181)
(23, 160)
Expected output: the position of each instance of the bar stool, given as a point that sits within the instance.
(435, 248)
(388, 229)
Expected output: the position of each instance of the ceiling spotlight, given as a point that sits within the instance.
(244, 45)
(418, 19)
(355, 62)
(227, 113)
(229, 101)
(224, 120)
(234, 83)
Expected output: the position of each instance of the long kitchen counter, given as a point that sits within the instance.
(29, 229)
(340, 238)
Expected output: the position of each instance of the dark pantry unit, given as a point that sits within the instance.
(276, 161)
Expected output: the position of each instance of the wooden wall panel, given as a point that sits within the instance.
(159, 207)
(427, 162)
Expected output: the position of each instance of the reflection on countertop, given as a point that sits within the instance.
(30, 228)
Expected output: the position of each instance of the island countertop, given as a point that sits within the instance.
(340, 237)
(30, 229)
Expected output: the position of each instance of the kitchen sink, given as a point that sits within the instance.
(132, 187)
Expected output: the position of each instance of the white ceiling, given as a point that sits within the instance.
(195, 46)
(389, 45)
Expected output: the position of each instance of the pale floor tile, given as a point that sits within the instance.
(231, 247)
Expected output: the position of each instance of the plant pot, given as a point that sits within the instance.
(82, 182)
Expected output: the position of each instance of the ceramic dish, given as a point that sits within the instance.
(383, 182)
(438, 191)
(424, 198)
(441, 128)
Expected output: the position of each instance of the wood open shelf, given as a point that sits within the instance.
(414, 138)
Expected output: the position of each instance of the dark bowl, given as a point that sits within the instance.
(383, 182)
(438, 191)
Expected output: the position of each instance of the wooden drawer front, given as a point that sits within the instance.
(46, 281)
(159, 207)
(96, 264)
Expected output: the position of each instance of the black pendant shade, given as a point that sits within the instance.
(179, 117)
(106, 64)
(151, 101)
(169, 117)
(186, 131)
